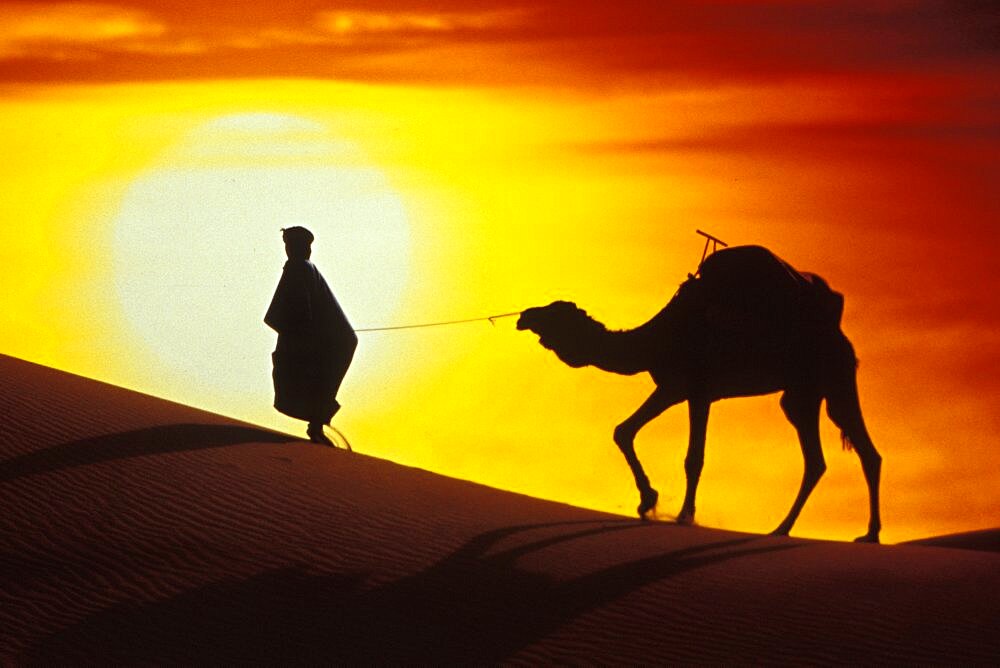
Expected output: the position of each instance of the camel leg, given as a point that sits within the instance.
(871, 464)
(802, 410)
(845, 411)
(844, 408)
(657, 402)
(695, 459)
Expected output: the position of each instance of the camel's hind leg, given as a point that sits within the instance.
(844, 409)
(802, 410)
(695, 459)
(657, 402)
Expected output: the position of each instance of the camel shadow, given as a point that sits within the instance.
(136, 443)
(476, 605)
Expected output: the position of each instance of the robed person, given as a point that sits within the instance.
(316, 342)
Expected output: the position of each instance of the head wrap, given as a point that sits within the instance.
(296, 235)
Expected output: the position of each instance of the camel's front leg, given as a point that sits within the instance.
(658, 401)
(698, 413)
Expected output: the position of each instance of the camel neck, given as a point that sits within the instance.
(621, 352)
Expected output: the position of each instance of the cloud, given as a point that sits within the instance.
(360, 22)
(82, 31)
(809, 137)
(350, 32)
(69, 29)
(582, 43)
(772, 40)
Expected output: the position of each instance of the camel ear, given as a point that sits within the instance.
(564, 307)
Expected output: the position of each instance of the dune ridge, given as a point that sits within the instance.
(137, 530)
(987, 540)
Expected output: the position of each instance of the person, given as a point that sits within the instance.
(316, 343)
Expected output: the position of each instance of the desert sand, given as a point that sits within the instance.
(137, 530)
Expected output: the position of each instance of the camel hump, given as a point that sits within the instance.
(756, 264)
(752, 279)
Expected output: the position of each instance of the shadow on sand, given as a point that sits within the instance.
(137, 443)
(477, 605)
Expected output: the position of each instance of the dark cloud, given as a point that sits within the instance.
(596, 41)
(891, 138)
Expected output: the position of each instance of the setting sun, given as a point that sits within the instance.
(198, 227)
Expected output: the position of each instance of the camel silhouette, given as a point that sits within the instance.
(746, 324)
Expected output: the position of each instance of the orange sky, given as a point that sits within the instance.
(530, 152)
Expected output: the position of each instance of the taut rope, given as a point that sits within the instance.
(489, 318)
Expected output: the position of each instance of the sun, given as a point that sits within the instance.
(197, 248)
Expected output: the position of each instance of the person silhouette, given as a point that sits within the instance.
(316, 342)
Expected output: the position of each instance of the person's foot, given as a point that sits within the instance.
(316, 435)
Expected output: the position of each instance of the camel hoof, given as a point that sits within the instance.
(647, 501)
(780, 531)
(867, 538)
(686, 518)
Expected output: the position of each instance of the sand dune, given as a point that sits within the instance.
(136, 530)
(987, 540)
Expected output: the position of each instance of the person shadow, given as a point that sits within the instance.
(156, 440)
(478, 604)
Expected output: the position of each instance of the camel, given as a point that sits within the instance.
(745, 324)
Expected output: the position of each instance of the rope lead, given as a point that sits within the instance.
(489, 318)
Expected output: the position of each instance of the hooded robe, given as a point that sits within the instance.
(315, 346)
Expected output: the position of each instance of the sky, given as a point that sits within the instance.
(463, 159)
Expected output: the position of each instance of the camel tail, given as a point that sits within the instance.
(845, 441)
(843, 404)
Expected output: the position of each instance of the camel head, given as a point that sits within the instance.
(565, 329)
